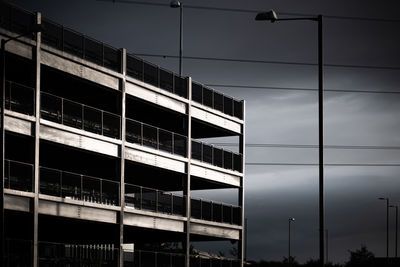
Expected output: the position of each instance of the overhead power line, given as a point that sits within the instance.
(270, 62)
(261, 145)
(301, 89)
(253, 11)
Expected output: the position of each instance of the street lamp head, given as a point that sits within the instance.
(292, 219)
(382, 198)
(175, 4)
(270, 15)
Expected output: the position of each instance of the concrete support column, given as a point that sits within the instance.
(36, 57)
(189, 157)
(242, 144)
(123, 139)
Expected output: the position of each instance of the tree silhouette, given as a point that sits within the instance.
(360, 257)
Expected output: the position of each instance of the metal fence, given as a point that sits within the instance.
(77, 186)
(15, 19)
(143, 198)
(152, 74)
(154, 137)
(197, 261)
(18, 175)
(216, 156)
(79, 45)
(77, 255)
(216, 100)
(18, 253)
(79, 116)
(149, 199)
(20, 98)
(217, 212)
(158, 259)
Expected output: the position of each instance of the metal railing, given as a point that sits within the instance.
(77, 115)
(152, 74)
(20, 98)
(144, 198)
(216, 100)
(197, 261)
(154, 137)
(66, 255)
(149, 199)
(18, 253)
(158, 259)
(15, 19)
(77, 44)
(216, 156)
(216, 212)
(77, 186)
(18, 175)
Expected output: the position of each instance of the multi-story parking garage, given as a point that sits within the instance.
(103, 151)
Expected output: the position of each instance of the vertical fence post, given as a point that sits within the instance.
(32, 177)
(141, 197)
(61, 180)
(62, 110)
(101, 191)
(173, 143)
(81, 187)
(156, 200)
(158, 138)
(141, 133)
(172, 203)
(83, 47)
(212, 210)
(201, 152)
(83, 116)
(9, 174)
(102, 54)
(10, 96)
(102, 122)
(231, 214)
(201, 209)
(62, 38)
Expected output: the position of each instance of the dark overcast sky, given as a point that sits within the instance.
(354, 216)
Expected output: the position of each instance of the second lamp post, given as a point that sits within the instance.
(387, 225)
(289, 255)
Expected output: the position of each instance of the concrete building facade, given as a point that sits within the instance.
(103, 151)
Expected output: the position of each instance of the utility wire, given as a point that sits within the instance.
(261, 145)
(270, 62)
(253, 11)
(261, 61)
(300, 89)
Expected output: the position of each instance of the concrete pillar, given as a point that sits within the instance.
(189, 157)
(37, 59)
(242, 145)
(123, 139)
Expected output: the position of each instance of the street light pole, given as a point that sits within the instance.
(289, 256)
(397, 226)
(271, 16)
(387, 225)
(321, 142)
(178, 4)
(35, 29)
